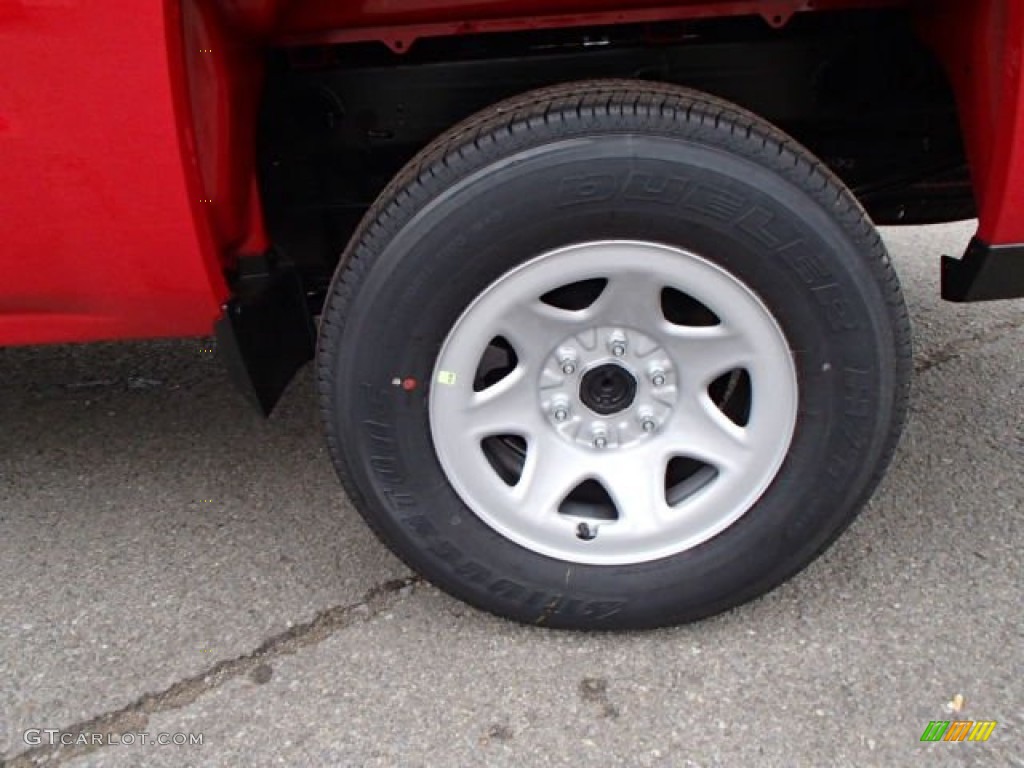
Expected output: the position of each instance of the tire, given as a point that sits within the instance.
(728, 230)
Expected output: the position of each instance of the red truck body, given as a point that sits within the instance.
(127, 135)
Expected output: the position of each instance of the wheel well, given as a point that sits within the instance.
(858, 88)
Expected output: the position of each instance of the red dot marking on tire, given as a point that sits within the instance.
(409, 384)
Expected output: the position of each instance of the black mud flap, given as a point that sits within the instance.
(985, 273)
(266, 333)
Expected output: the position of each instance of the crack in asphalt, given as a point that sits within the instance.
(135, 716)
(954, 349)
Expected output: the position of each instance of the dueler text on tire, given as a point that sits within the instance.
(613, 354)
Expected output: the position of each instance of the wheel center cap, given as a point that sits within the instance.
(607, 389)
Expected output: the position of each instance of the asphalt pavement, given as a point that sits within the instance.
(171, 563)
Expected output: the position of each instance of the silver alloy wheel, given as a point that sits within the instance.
(615, 394)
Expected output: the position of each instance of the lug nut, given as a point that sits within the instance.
(648, 425)
(617, 344)
(658, 378)
(560, 409)
(567, 361)
(600, 442)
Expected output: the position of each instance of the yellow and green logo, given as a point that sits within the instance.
(958, 730)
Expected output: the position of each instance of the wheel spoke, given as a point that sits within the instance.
(636, 483)
(505, 408)
(704, 354)
(630, 299)
(533, 327)
(701, 431)
(552, 470)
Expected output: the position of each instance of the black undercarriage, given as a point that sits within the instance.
(858, 89)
